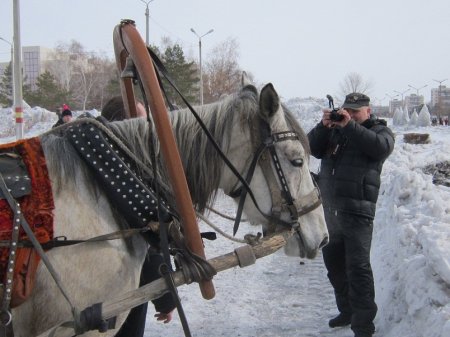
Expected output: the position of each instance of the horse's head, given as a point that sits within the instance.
(272, 152)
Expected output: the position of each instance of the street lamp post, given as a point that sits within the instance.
(200, 60)
(391, 98)
(146, 20)
(12, 59)
(417, 89)
(402, 93)
(17, 71)
(439, 96)
(418, 101)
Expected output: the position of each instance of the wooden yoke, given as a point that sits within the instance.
(128, 42)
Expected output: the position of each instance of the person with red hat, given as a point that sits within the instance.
(66, 117)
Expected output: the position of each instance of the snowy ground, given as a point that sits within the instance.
(286, 297)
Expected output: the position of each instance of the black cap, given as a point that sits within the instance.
(66, 112)
(356, 100)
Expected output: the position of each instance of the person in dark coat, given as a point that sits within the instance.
(352, 153)
(134, 325)
(66, 117)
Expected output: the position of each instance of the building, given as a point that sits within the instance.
(394, 104)
(414, 101)
(34, 59)
(440, 100)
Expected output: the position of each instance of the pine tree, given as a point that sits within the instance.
(48, 94)
(6, 87)
(183, 73)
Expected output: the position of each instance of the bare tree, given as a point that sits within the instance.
(353, 82)
(84, 74)
(60, 65)
(222, 73)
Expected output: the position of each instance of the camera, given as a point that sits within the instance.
(334, 116)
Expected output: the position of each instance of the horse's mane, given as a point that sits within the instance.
(203, 165)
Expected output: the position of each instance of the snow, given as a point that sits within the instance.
(282, 296)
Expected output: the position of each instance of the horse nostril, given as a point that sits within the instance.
(324, 242)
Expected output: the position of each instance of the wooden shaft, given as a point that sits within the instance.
(126, 84)
(127, 35)
(158, 287)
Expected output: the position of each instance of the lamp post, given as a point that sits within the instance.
(146, 20)
(17, 71)
(439, 96)
(391, 98)
(417, 89)
(402, 93)
(11, 48)
(418, 100)
(200, 60)
(12, 58)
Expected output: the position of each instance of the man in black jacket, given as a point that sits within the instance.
(352, 149)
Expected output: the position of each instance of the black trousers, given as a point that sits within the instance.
(347, 259)
(134, 325)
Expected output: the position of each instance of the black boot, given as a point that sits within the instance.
(343, 319)
(363, 334)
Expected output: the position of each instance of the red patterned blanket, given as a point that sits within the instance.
(37, 208)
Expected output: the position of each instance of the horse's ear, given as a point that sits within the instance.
(269, 101)
(247, 83)
(245, 79)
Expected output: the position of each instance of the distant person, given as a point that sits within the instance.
(134, 326)
(352, 149)
(66, 117)
(114, 109)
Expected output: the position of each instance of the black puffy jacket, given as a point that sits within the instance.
(352, 160)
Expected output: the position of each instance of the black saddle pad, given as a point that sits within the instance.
(15, 175)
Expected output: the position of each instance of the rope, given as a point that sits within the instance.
(224, 215)
(210, 224)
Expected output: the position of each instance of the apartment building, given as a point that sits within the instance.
(414, 101)
(34, 60)
(440, 95)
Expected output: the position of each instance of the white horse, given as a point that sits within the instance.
(95, 272)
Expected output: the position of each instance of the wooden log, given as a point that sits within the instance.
(155, 289)
(416, 138)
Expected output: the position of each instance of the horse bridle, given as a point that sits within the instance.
(282, 200)
(267, 139)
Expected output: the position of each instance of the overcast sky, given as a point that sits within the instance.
(305, 48)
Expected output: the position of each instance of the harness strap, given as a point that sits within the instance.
(166, 272)
(15, 207)
(281, 197)
(5, 315)
(61, 241)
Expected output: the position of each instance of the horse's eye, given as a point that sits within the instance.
(297, 162)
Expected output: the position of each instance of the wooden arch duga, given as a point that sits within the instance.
(128, 43)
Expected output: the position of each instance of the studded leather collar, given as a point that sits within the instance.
(116, 174)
